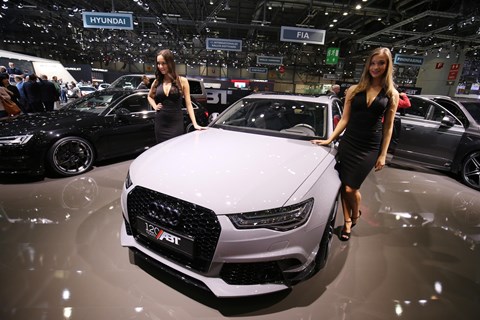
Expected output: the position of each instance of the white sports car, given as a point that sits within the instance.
(245, 207)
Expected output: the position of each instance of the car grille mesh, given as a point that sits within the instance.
(252, 273)
(194, 221)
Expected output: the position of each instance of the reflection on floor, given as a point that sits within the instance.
(414, 255)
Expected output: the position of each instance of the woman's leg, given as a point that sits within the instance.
(351, 203)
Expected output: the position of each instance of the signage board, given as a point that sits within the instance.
(106, 20)
(303, 35)
(408, 60)
(224, 44)
(332, 55)
(258, 70)
(274, 61)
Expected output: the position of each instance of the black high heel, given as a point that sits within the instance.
(354, 220)
(345, 236)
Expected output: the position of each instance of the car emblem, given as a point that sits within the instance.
(164, 213)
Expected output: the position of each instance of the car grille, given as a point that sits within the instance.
(193, 221)
(252, 273)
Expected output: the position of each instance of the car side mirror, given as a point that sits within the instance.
(448, 121)
(213, 116)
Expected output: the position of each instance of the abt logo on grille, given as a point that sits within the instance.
(160, 234)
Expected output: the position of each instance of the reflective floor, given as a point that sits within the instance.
(414, 255)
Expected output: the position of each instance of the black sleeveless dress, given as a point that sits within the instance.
(169, 119)
(360, 144)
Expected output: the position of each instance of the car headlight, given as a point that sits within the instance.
(280, 219)
(15, 139)
(128, 181)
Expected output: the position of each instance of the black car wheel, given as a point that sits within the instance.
(70, 156)
(322, 254)
(470, 173)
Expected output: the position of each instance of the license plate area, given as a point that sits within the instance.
(166, 238)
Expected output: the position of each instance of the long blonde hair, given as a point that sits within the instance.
(387, 77)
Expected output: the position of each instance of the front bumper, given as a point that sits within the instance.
(228, 261)
(21, 160)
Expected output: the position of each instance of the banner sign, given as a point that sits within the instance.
(453, 73)
(224, 44)
(332, 55)
(303, 35)
(408, 60)
(257, 70)
(274, 61)
(104, 20)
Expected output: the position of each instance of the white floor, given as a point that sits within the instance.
(413, 255)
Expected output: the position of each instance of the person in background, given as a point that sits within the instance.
(3, 69)
(145, 83)
(49, 93)
(4, 94)
(22, 101)
(5, 82)
(403, 102)
(365, 142)
(166, 95)
(33, 93)
(74, 91)
(335, 90)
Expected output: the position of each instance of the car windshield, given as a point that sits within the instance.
(474, 109)
(297, 119)
(94, 103)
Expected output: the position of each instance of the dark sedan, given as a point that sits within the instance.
(442, 133)
(103, 125)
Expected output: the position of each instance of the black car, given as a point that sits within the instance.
(442, 133)
(103, 125)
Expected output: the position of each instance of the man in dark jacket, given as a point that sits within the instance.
(49, 93)
(33, 93)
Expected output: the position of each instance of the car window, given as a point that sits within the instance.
(419, 108)
(128, 82)
(336, 112)
(291, 117)
(195, 87)
(474, 109)
(93, 103)
(454, 109)
(135, 103)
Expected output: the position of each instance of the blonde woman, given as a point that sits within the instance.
(365, 142)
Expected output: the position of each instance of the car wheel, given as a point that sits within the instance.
(70, 156)
(470, 172)
(324, 248)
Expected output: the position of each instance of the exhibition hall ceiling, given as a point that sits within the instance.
(54, 29)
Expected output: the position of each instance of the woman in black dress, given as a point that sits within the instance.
(365, 142)
(165, 97)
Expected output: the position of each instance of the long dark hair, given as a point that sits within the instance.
(172, 73)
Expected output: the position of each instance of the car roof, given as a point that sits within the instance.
(459, 99)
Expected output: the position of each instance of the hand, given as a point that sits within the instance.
(380, 164)
(197, 127)
(158, 106)
(319, 142)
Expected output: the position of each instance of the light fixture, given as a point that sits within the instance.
(358, 7)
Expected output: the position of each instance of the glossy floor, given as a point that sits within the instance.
(413, 255)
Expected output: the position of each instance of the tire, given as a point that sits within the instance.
(324, 248)
(70, 156)
(470, 173)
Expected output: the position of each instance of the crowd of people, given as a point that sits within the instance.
(32, 93)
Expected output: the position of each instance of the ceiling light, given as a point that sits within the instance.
(345, 13)
(358, 6)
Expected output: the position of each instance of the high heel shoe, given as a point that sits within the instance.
(354, 220)
(345, 236)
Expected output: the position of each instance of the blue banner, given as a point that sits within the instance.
(106, 20)
(303, 35)
(224, 44)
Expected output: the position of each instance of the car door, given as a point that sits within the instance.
(129, 126)
(425, 136)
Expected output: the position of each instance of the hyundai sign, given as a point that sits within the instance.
(106, 20)
(303, 35)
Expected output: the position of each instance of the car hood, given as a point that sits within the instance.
(41, 121)
(228, 171)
